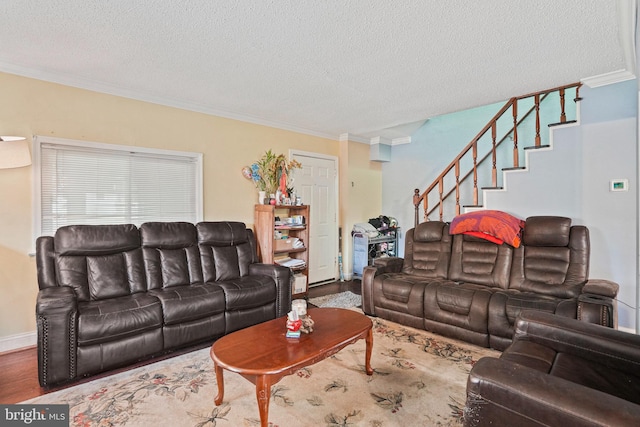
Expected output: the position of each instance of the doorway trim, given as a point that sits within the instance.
(336, 185)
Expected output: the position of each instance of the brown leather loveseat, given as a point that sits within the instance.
(111, 295)
(472, 289)
(558, 372)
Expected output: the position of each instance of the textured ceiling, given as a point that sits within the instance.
(321, 67)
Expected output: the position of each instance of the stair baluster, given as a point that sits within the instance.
(455, 165)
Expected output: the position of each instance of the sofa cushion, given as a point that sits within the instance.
(597, 376)
(226, 250)
(531, 354)
(430, 231)
(571, 367)
(248, 292)
(116, 318)
(99, 261)
(552, 270)
(98, 277)
(478, 261)
(171, 254)
(96, 239)
(188, 303)
(401, 287)
(464, 305)
(168, 235)
(222, 233)
(506, 305)
(546, 231)
(457, 310)
(427, 250)
(399, 297)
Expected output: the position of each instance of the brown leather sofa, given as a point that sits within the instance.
(558, 372)
(111, 295)
(471, 289)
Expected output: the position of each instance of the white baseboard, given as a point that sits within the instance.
(630, 330)
(15, 342)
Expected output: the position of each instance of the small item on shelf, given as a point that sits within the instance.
(291, 262)
(299, 283)
(293, 324)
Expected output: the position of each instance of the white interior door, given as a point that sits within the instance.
(316, 183)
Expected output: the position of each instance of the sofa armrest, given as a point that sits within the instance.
(501, 392)
(389, 264)
(605, 288)
(56, 318)
(597, 303)
(282, 277)
(380, 266)
(615, 349)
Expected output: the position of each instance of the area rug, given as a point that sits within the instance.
(419, 380)
(345, 299)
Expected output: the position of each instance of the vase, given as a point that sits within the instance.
(261, 196)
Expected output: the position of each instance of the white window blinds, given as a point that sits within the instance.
(93, 183)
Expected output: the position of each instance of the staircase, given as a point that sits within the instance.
(499, 145)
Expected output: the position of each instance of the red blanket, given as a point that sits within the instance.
(495, 226)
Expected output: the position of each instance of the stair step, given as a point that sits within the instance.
(472, 206)
(562, 123)
(519, 168)
(492, 188)
(533, 147)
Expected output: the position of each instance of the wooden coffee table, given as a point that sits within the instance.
(263, 355)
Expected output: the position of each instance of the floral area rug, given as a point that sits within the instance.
(419, 380)
(346, 299)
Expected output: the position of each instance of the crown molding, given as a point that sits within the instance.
(401, 141)
(380, 140)
(354, 138)
(88, 84)
(608, 78)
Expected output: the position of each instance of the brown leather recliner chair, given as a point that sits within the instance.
(558, 372)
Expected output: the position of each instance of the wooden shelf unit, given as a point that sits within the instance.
(265, 227)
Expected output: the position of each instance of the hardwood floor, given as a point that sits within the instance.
(19, 368)
(334, 288)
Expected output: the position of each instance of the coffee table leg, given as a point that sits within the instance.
(263, 393)
(369, 341)
(220, 381)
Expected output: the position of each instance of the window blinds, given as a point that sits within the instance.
(87, 185)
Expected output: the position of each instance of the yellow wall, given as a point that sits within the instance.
(32, 107)
(360, 193)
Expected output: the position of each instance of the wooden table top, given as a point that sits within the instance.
(264, 349)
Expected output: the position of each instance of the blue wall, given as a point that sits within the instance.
(572, 179)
